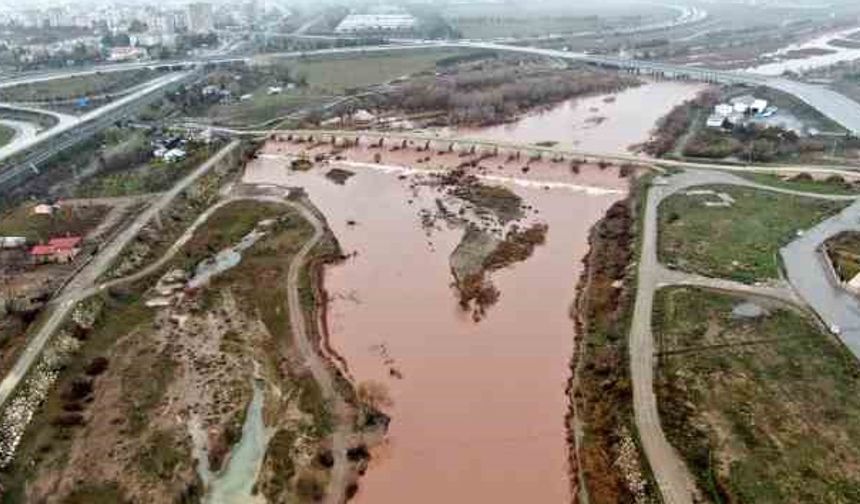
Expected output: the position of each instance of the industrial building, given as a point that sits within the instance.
(357, 23)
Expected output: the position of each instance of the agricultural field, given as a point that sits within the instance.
(762, 404)
(312, 83)
(71, 220)
(734, 232)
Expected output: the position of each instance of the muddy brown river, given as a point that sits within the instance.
(477, 407)
(607, 123)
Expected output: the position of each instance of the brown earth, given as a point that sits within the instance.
(603, 454)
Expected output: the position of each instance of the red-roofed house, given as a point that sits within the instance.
(57, 250)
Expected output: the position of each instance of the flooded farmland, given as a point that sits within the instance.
(477, 408)
(822, 53)
(606, 124)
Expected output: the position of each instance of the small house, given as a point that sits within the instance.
(742, 104)
(723, 109)
(12, 242)
(715, 121)
(44, 209)
(273, 90)
(57, 250)
(758, 106)
(362, 116)
(174, 155)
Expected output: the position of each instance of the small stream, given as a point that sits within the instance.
(235, 483)
(224, 260)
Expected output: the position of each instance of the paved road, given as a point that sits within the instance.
(77, 289)
(676, 483)
(68, 123)
(24, 130)
(336, 493)
(811, 274)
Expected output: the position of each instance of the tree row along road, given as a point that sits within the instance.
(673, 478)
(78, 287)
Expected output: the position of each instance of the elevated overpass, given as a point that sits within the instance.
(22, 159)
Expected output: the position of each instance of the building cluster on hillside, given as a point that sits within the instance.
(57, 250)
(120, 32)
(738, 110)
(169, 149)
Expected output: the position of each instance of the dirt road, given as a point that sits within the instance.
(321, 372)
(77, 289)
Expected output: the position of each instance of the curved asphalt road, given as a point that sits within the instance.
(676, 483)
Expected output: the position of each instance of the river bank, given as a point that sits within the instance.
(607, 464)
(395, 319)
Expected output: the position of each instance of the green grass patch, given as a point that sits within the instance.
(763, 409)
(155, 176)
(739, 242)
(339, 75)
(320, 80)
(162, 454)
(21, 221)
(76, 86)
(804, 183)
(6, 134)
(95, 494)
(844, 253)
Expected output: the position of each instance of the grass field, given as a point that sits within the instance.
(6, 134)
(831, 185)
(76, 86)
(764, 409)
(739, 242)
(325, 80)
(153, 176)
(844, 253)
(21, 221)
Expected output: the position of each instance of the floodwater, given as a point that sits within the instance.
(224, 260)
(236, 484)
(604, 124)
(477, 407)
(837, 55)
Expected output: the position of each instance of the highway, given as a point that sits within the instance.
(833, 105)
(68, 122)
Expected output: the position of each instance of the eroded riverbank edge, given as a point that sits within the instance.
(606, 461)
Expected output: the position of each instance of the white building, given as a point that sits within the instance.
(174, 155)
(200, 18)
(758, 106)
(355, 23)
(715, 121)
(723, 109)
(12, 242)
